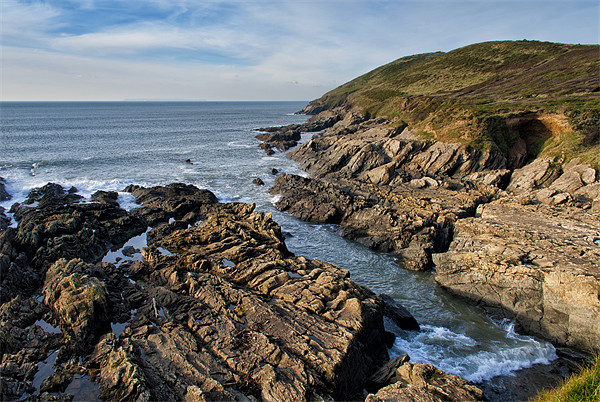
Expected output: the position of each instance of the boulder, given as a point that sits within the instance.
(79, 301)
(398, 314)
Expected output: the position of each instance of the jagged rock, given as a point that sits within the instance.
(4, 220)
(412, 225)
(541, 272)
(400, 380)
(53, 224)
(384, 375)
(175, 200)
(120, 376)
(538, 174)
(106, 197)
(227, 313)
(258, 181)
(423, 382)
(4, 196)
(78, 299)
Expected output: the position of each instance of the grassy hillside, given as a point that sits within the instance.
(465, 94)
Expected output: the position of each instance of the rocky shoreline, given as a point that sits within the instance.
(214, 307)
(518, 237)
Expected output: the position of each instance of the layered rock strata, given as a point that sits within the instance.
(395, 191)
(217, 308)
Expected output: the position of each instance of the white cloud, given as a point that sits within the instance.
(255, 50)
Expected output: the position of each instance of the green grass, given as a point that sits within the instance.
(581, 387)
(463, 95)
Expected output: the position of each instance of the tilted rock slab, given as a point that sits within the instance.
(219, 309)
(536, 264)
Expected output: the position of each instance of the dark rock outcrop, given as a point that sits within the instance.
(177, 200)
(217, 309)
(413, 225)
(54, 224)
(398, 314)
(4, 196)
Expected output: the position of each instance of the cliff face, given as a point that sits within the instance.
(494, 187)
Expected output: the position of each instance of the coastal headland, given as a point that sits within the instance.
(481, 164)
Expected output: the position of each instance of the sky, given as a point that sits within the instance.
(80, 50)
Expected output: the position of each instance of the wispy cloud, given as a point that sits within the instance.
(260, 49)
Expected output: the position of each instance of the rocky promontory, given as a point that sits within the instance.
(524, 242)
(449, 161)
(212, 305)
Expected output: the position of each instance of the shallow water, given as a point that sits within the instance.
(110, 145)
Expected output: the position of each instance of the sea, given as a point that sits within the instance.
(110, 145)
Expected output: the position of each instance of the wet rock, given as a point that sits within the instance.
(53, 224)
(258, 181)
(398, 220)
(129, 251)
(282, 139)
(218, 310)
(4, 220)
(176, 200)
(106, 197)
(4, 196)
(273, 171)
(398, 314)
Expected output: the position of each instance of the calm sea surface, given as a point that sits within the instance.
(109, 145)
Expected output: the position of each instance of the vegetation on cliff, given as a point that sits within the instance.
(469, 94)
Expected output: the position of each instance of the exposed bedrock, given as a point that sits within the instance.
(217, 309)
(394, 191)
(400, 380)
(399, 219)
(533, 263)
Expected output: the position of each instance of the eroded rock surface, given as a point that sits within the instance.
(400, 380)
(534, 263)
(218, 309)
(531, 254)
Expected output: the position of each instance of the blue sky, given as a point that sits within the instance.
(249, 50)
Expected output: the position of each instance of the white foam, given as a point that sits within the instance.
(460, 354)
(275, 199)
(127, 201)
(239, 144)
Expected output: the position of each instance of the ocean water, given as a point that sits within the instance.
(109, 145)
